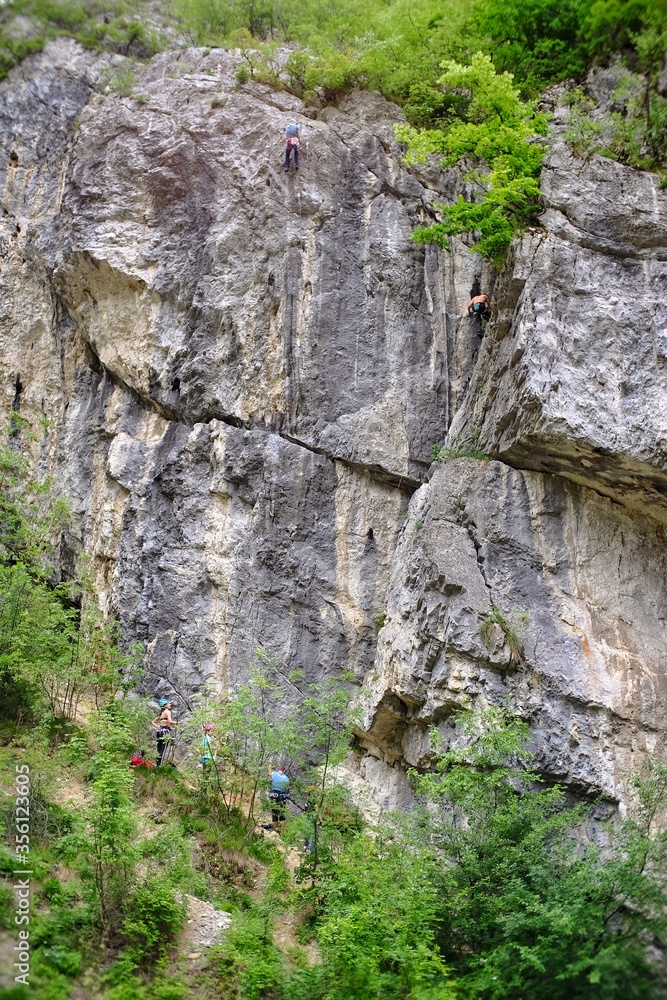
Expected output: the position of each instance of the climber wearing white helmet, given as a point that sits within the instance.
(292, 141)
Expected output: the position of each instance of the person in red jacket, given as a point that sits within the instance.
(139, 760)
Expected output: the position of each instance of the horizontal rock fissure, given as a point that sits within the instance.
(376, 472)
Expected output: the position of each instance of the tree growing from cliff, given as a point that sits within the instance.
(497, 136)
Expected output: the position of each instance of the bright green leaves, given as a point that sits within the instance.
(490, 890)
(492, 94)
(379, 909)
(530, 907)
(500, 138)
(537, 40)
(54, 642)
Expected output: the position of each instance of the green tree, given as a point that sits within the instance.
(539, 41)
(530, 906)
(54, 642)
(107, 846)
(500, 137)
(254, 729)
(651, 47)
(377, 934)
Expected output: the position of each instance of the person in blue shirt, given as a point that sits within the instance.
(206, 754)
(278, 796)
(206, 745)
(292, 142)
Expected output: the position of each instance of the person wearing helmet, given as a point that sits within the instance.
(292, 142)
(278, 795)
(162, 723)
(480, 305)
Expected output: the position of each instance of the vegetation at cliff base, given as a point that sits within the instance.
(495, 885)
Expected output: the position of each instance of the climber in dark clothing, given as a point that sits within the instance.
(162, 723)
(292, 141)
(278, 795)
(480, 305)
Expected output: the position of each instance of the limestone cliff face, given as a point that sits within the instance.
(572, 378)
(244, 374)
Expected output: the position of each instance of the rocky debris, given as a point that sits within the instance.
(204, 925)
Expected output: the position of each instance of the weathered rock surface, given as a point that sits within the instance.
(218, 287)
(593, 579)
(572, 378)
(243, 373)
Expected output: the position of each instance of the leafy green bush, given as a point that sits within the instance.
(63, 14)
(154, 917)
(122, 81)
(529, 907)
(248, 965)
(500, 136)
(378, 929)
(539, 41)
(12, 51)
(121, 36)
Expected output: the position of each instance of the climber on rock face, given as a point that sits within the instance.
(292, 142)
(480, 305)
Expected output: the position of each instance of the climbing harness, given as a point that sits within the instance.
(292, 146)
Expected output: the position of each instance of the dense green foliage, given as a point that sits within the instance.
(114, 25)
(491, 890)
(399, 46)
(530, 907)
(395, 45)
(497, 133)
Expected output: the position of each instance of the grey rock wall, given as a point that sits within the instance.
(572, 377)
(593, 580)
(216, 286)
(237, 377)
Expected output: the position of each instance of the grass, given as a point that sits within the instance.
(460, 448)
(510, 625)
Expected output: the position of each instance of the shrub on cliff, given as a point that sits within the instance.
(498, 136)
